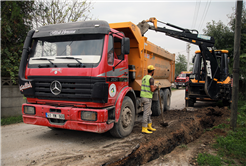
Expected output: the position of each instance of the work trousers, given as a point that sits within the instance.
(147, 111)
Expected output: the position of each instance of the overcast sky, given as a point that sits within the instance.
(192, 14)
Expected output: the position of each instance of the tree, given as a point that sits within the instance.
(224, 39)
(15, 23)
(180, 64)
(243, 28)
(222, 34)
(56, 11)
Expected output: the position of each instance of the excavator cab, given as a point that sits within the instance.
(199, 70)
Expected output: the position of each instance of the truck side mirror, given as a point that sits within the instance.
(125, 46)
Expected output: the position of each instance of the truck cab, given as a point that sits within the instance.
(72, 74)
(182, 79)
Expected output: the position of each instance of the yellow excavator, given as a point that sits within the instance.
(210, 78)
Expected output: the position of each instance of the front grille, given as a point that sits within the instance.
(73, 88)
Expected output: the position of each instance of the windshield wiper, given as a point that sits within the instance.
(70, 57)
(47, 60)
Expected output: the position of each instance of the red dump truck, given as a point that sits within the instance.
(87, 76)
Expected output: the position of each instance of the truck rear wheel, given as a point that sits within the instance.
(155, 107)
(126, 121)
(167, 99)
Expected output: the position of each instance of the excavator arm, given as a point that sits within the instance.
(211, 86)
(185, 34)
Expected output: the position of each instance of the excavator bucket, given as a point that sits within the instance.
(143, 26)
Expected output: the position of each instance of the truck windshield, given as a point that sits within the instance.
(87, 49)
(182, 75)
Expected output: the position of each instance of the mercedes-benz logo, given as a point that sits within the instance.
(55, 87)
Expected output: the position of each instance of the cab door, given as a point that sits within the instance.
(117, 74)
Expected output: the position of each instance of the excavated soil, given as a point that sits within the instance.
(185, 126)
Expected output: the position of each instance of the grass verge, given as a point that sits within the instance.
(11, 120)
(173, 89)
(208, 159)
(231, 147)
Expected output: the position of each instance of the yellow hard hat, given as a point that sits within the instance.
(150, 67)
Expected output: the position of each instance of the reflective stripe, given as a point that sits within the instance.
(146, 91)
(145, 87)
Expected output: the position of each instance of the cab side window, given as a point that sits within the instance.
(110, 51)
(117, 48)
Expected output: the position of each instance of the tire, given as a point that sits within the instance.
(155, 107)
(126, 121)
(177, 87)
(167, 99)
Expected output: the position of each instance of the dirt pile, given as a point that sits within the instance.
(184, 127)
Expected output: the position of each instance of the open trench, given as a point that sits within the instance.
(184, 127)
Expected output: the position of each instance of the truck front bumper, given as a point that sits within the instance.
(179, 83)
(72, 118)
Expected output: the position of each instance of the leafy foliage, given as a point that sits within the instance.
(222, 34)
(15, 23)
(180, 64)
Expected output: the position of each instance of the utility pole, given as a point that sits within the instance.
(235, 88)
(188, 56)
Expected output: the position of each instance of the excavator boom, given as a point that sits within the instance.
(185, 34)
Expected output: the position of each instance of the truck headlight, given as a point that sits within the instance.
(29, 110)
(88, 115)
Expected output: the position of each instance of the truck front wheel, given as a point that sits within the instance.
(126, 121)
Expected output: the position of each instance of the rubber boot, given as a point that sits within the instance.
(150, 127)
(145, 130)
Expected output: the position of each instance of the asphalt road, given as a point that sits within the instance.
(24, 144)
(178, 99)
